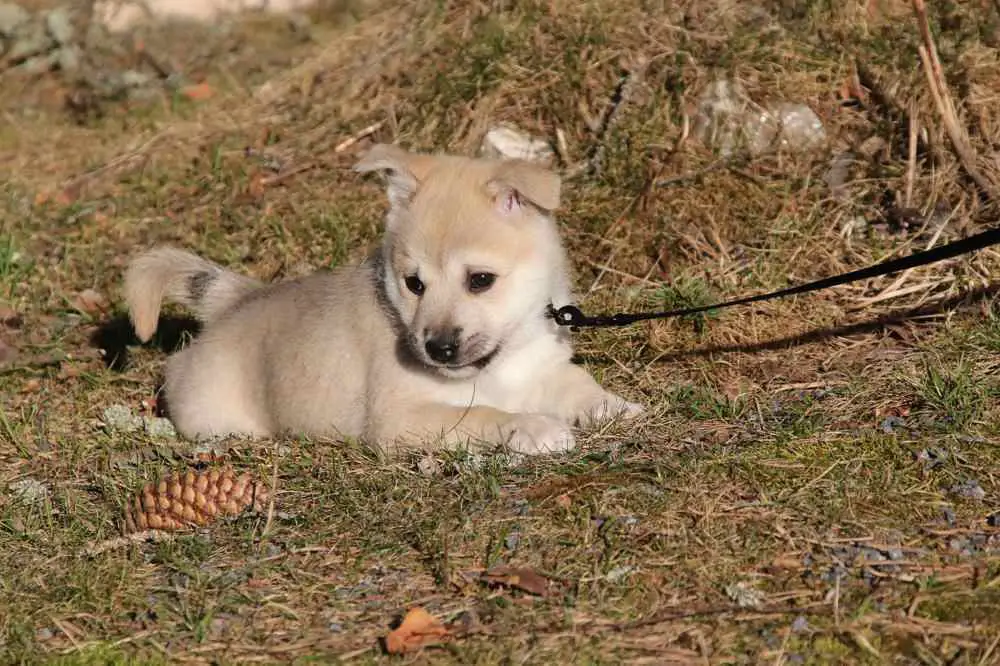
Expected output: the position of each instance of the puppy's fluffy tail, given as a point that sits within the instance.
(166, 273)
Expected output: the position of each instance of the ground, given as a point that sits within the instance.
(816, 480)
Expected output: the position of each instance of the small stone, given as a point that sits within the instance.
(932, 457)
(12, 17)
(872, 554)
(800, 624)
(59, 25)
(948, 514)
(961, 545)
(120, 418)
(68, 58)
(130, 78)
(620, 572)
(512, 540)
(428, 466)
(970, 490)
(335, 627)
(156, 426)
(30, 40)
(801, 130)
(890, 423)
(506, 142)
(29, 491)
(834, 574)
(717, 119)
(744, 595)
(728, 121)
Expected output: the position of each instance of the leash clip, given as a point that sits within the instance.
(572, 316)
(568, 315)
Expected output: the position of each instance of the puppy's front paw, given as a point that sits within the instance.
(630, 410)
(534, 434)
(610, 406)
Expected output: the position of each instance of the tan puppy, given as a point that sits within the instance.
(439, 339)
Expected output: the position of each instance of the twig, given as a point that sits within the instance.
(273, 492)
(911, 162)
(285, 175)
(562, 148)
(946, 108)
(155, 536)
(351, 140)
(604, 268)
(899, 293)
(985, 659)
(123, 161)
(624, 92)
(893, 290)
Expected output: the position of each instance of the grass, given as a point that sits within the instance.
(815, 459)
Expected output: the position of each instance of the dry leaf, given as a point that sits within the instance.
(522, 579)
(564, 501)
(256, 186)
(198, 91)
(91, 301)
(419, 628)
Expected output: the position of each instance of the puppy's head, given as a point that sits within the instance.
(471, 254)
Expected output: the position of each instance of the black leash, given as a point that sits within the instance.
(570, 315)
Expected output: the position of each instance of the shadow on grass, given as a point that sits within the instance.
(116, 335)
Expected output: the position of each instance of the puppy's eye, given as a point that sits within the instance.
(414, 284)
(480, 282)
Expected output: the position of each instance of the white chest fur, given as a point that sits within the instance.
(515, 382)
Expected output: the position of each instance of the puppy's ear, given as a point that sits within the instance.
(517, 180)
(404, 170)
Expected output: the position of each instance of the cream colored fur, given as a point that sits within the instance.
(346, 353)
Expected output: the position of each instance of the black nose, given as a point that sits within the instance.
(442, 348)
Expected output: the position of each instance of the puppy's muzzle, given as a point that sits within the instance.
(442, 347)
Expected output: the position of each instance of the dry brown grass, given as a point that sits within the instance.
(812, 449)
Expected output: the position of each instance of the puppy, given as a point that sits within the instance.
(440, 339)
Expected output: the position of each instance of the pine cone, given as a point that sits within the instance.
(186, 499)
